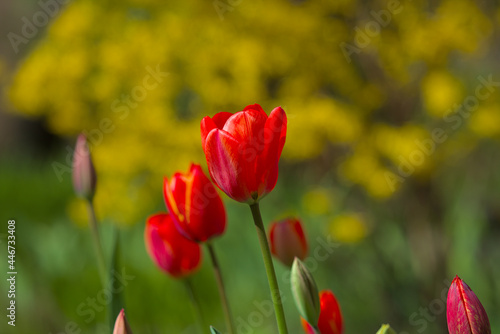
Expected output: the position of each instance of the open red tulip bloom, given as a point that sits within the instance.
(195, 205)
(243, 150)
(330, 318)
(464, 311)
(171, 252)
(287, 240)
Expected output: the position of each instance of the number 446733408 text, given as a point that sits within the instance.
(11, 250)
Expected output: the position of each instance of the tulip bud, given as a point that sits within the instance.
(170, 250)
(213, 330)
(305, 292)
(464, 311)
(386, 329)
(287, 240)
(84, 176)
(121, 324)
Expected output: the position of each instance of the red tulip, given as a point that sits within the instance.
(170, 251)
(330, 317)
(84, 176)
(464, 311)
(243, 150)
(195, 205)
(288, 240)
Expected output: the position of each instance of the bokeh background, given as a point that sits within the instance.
(391, 153)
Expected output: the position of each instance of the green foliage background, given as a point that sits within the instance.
(365, 84)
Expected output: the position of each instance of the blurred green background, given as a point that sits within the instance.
(391, 153)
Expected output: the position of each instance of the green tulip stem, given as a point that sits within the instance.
(101, 263)
(222, 290)
(271, 275)
(195, 303)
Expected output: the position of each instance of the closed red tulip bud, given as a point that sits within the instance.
(195, 205)
(464, 311)
(170, 250)
(121, 324)
(330, 318)
(84, 176)
(243, 150)
(288, 240)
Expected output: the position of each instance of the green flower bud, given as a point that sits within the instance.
(386, 329)
(305, 293)
(213, 330)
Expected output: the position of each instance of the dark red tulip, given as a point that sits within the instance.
(288, 240)
(464, 311)
(243, 150)
(170, 250)
(330, 317)
(195, 205)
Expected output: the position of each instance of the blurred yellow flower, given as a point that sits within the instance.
(317, 201)
(348, 228)
(440, 91)
(485, 121)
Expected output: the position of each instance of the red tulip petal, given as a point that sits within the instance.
(206, 215)
(208, 124)
(174, 194)
(274, 140)
(464, 311)
(221, 151)
(256, 107)
(154, 243)
(330, 318)
(169, 250)
(247, 126)
(221, 118)
(248, 129)
(299, 232)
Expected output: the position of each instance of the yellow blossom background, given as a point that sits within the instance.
(382, 148)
